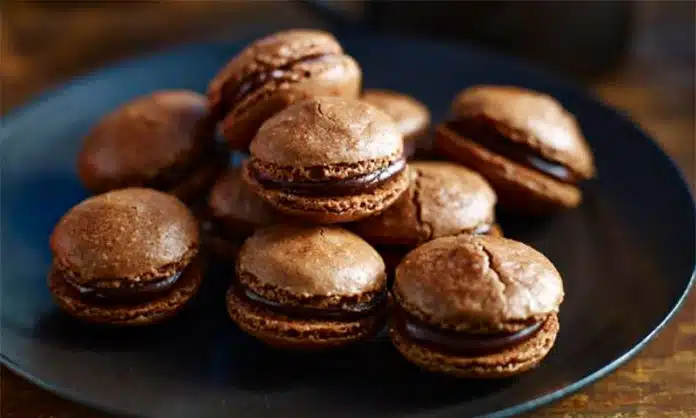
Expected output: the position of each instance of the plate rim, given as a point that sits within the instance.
(12, 116)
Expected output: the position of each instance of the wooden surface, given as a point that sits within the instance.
(42, 46)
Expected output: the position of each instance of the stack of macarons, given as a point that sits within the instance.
(336, 223)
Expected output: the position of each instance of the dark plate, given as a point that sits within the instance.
(627, 256)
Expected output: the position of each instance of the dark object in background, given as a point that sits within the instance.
(583, 39)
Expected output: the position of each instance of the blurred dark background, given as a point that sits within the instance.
(636, 55)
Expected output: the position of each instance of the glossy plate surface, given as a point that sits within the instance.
(627, 257)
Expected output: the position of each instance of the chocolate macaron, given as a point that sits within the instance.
(328, 160)
(126, 257)
(443, 199)
(525, 143)
(308, 287)
(412, 117)
(275, 71)
(475, 306)
(162, 141)
(234, 213)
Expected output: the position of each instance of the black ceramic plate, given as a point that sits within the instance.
(627, 257)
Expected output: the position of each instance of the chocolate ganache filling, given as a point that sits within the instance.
(134, 293)
(460, 343)
(234, 91)
(484, 134)
(334, 187)
(345, 313)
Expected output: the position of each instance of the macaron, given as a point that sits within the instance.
(162, 141)
(328, 160)
(125, 257)
(234, 213)
(308, 287)
(275, 71)
(443, 199)
(525, 143)
(475, 306)
(412, 117)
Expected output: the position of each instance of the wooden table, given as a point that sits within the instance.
(42, 46)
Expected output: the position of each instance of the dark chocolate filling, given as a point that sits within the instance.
(234, 92)
(345, 313)
(481, 132)
(136, 293)
(336, 187)
(459, 343)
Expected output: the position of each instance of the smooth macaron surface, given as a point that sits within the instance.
(275, 71)
(411, 117)
(443, 199)
(328, 160)
(162, 140)
(525, 143)
(128, 235)
(478, 283)
(308, 287)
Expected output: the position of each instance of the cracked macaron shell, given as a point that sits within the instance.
(313, 266)
(443, 199)
(532, 119)
(144, 138)
(478, 283)
(301, 64)
(125, 236)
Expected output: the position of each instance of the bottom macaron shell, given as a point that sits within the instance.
(335, 209)
(507, 363)
(518, 187)
(303, 334)
(144, 313)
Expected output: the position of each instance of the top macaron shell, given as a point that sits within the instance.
(128, 235)
(443, 199)
(411, 116)
(322, 267)
(478, 283)
(274, 72)
(136, 142)
(530, 118)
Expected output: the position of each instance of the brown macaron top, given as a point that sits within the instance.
(238, 208)
(478, 283)
(280, 62)
(313, 266)
(128, 235)
(328, 131)
(530, 118)
(443, 199)
(411, 116)
(151, 137)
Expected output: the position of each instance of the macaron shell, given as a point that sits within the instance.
(518, 188)
(197, 184)
(320, 266)
(410, 116)
(532, 118)
(144, 313)
(332, 76)
(136, 142)
(443, 199)
(284, 332)
(327, 131)
(335, 209)
(478, 283)
(128, 234)
(507, 363)
(231, 202)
